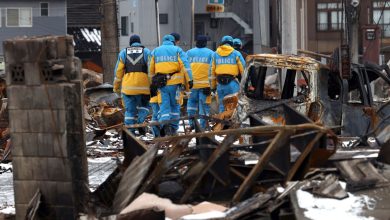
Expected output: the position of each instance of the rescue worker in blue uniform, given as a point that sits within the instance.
(200, 96)
(227, 64)
(131, 79)
(183, 55)
(167, 72)
(237, 45)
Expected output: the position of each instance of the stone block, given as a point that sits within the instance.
(25, 190)
(40, 98)
(22, 168)
(45, 144)
(18, 97)
(20, 211)
(30, 144)
(54, 121)
(60, 145)
(36, 121)
(40, 166)
(22, 50)
(49, 191)
(17, 144)
(62, 50)
(18, 120)
(59, 169)
(32, 74)
(65, 194)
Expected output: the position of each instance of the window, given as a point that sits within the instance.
(265, 83)
(330, 17)
(382, 19)
(44, 9)
(132, 27)
(163, 18)
(124, 26)
(19, 17)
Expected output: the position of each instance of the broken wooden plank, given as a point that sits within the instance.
(164, 164)
(133, 178)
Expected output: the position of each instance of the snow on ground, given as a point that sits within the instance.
(320, 208)
(98, 170)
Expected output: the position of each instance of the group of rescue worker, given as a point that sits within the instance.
(157, 79)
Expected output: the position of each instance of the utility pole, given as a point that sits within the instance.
(110, 44)
(352, 15)
(157, 22)
(289, 26)
(192, 22)
(260, 25)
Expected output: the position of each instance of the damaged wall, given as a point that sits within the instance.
(47, 126)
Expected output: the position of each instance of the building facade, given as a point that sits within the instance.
(325, 31)
(241, 18)
(31, 18)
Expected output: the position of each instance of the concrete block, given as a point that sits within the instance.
(18, 120)
(17, 144)
(25, 190)
(22, 168)
(40, 166)
(62, 49)
(54, 121)
(60, 145)
(49, 191)
(21, 210)
(36, 120)
(32, 74)
(45, 144)
(59, 169)
(19, 97)
(30, 144)
(39, 98)
(65, 194)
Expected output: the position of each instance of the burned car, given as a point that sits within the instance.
(272, 81)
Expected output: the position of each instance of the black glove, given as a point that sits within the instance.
(207, 91)
(191, 83)
(153, 90)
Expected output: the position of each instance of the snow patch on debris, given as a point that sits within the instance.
(324, 208)
(7, 190)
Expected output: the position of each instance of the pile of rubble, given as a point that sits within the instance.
(306, 150)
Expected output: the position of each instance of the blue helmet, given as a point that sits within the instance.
(134, 39)
(227, 40)
(237, 42)
(169, 37)
(176, 36)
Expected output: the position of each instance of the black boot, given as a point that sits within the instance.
(168, 130)
(142, 131)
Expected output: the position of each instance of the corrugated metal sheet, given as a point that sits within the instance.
(86, 39)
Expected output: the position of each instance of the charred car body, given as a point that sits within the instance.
(315, 90)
